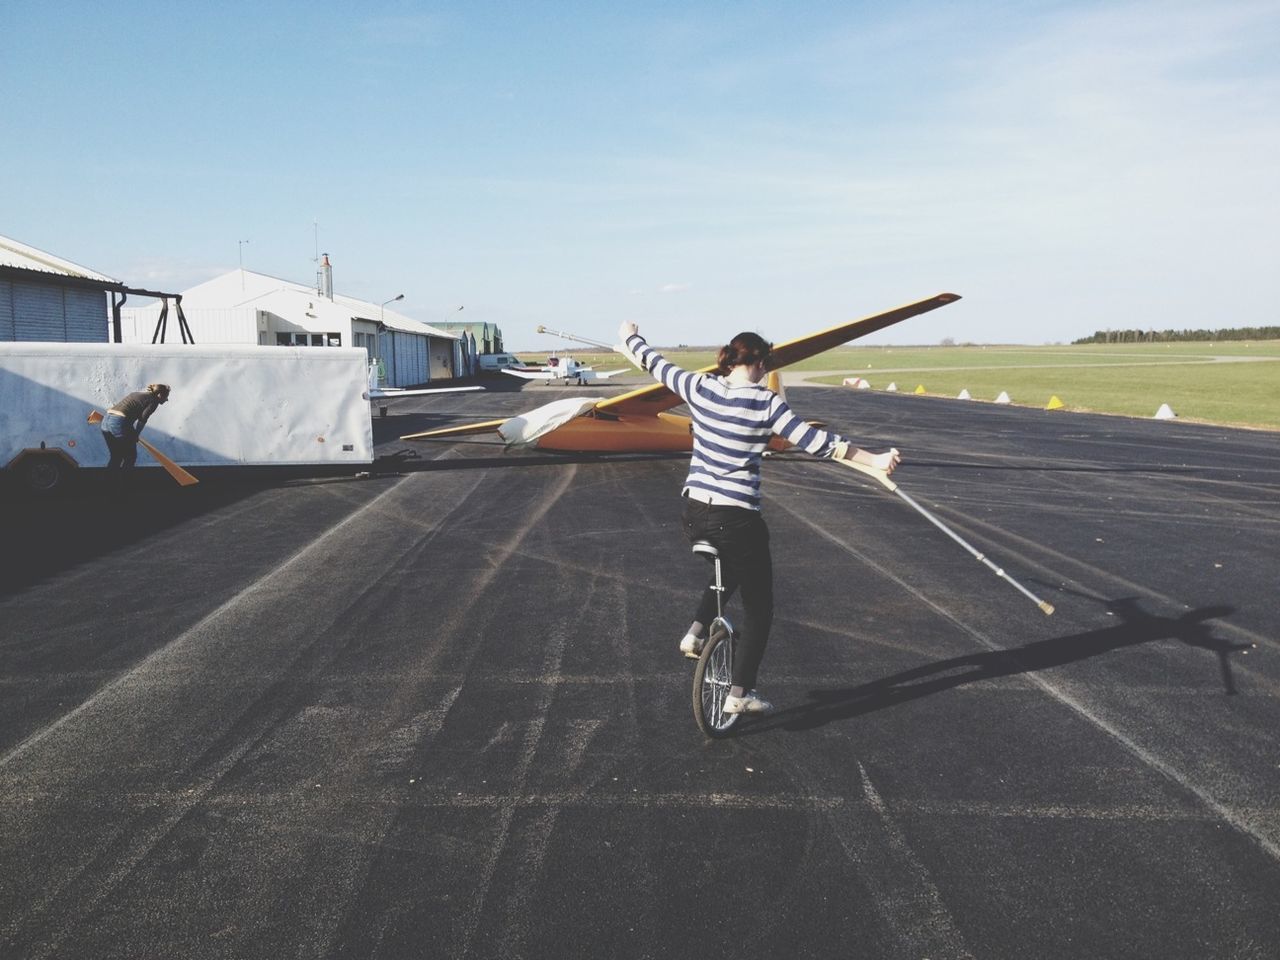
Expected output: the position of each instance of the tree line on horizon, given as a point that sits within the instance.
(1170, 336)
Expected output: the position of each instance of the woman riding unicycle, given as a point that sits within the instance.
(734, 417)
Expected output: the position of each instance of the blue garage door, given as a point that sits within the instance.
(35, 312)
(6, 310)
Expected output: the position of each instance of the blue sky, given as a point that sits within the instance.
(700, 168)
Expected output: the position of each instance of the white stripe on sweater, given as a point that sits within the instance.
(731, 430)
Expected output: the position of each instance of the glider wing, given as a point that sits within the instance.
(486, 426)
(392, 393)
(656, 397)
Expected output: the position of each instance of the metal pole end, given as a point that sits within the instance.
(1047, 607)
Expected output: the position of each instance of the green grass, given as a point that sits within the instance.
(1129, 379)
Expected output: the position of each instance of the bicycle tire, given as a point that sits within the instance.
(712, 678)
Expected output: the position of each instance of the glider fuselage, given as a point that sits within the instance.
(662, 433)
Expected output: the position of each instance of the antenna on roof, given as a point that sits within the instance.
(315, 226)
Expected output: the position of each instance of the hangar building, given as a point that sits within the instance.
(46, 298)
(242, 306)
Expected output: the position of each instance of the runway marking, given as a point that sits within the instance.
(403, 798)
(506, 733)
(1232, 817)
(582, 733)
(136, 692)
(1101, 505)
(497, 556)
(513, 913)
(402, 740)
(909, 900)
(323, 924)
(533, 738)
(1260, 639)
(137, 849)
(165, 651)
(524, 762)
(1013, 810)
(128, 688)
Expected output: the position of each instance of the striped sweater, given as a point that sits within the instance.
(731, 430)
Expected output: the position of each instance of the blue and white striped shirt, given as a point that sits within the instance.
(731, 430)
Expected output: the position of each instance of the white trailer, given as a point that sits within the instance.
(230, 405)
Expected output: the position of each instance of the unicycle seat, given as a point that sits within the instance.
(702, 548)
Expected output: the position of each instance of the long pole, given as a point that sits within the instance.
(569, 336)
(182, 476)
(883, 479)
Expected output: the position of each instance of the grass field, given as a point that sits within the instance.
(1236, 383)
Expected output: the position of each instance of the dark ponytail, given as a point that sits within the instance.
(744, 349)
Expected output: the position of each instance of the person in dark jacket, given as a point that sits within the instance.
(125, 420)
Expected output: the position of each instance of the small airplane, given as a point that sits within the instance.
(383, 396)
(563, 368)
(639, 421)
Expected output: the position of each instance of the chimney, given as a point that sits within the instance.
(326, 278)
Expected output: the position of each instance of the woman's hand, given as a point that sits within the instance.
(627, 329)
(888, 461)
(885, 462)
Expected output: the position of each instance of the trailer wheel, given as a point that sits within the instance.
(42, 474)
(42, 471)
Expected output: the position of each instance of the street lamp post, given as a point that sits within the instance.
(382, 309)
(381, 317)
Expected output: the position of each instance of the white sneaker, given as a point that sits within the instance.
(691, 646)
(751, 702)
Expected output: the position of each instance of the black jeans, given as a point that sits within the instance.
(123, 450)
(743, 541)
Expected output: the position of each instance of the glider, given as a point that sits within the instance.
(640, 421)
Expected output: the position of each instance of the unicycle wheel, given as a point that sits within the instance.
(712, 678)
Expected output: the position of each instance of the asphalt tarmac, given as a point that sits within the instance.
(440, 712)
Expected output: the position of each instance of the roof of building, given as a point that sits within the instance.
(468, 325)
(244, 288)
(21, 256)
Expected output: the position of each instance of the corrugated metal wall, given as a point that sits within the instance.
(35, 312)
(405, 357)
(86, 313)
(6, 310)
(208, 325)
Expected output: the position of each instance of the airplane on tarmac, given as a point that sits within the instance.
(639, 421)
(563, 368)
(383, 396)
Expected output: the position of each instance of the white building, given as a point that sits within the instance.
(246, 307)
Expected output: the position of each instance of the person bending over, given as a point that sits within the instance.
(734, 416)
(124, 423)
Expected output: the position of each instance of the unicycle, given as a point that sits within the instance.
(713, 675)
